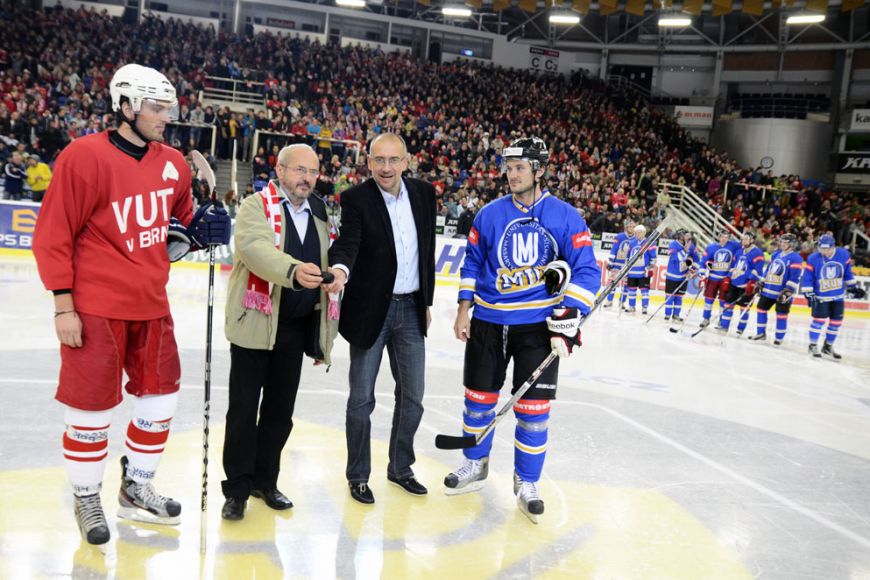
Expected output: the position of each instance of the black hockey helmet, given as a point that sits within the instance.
(532, 149)
(789, 239)
(750, 235)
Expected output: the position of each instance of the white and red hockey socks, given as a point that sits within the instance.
(85, 448)
(147, 434)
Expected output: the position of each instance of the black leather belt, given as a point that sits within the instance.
(404, 296)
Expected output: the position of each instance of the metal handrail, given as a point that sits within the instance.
(694, 213)
(235, 93)
(355, 145)
(853, 246)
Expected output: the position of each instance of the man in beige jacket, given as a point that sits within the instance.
(276, 312)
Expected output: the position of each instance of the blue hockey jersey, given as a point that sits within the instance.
(719, 259)
(508, 248)
(828, 277)
(619, 251)
(648, 260)
(677, 254)
(784, 270)
(749, 265)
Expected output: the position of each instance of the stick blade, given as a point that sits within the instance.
(204, 169)
(451, 442)
(674, 330)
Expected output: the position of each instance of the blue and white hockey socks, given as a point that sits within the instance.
(833, 329)
(744, 320)
(477, 416)
(530, 438)
(669, 300)
(725, 317)
(632, 297)
(85, 448)
(708, 307)
(147, 434)
(781, 325)
(761, 322)
(816, 329)
(644, 298)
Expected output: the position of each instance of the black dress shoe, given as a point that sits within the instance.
(409, 484)
(273, 498)
(361, 492)
(234, 509)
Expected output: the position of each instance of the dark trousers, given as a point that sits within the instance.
(252, 447)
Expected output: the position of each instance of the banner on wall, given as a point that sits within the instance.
(853, 163)
(860, 120)
(694, 116)
(17, 222)
(543, 60)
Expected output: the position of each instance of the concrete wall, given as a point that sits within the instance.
(796, 146)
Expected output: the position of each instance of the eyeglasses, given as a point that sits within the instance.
(299, 170)
(391, 161)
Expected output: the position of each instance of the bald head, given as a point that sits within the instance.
(388, 138)
(293, 155)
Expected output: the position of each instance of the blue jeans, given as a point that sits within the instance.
(403, 337)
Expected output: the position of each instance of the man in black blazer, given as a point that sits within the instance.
(386, 256)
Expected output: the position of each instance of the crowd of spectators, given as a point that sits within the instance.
(610, 148)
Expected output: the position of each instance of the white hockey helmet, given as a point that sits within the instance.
(137, 83)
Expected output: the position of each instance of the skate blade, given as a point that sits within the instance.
(532, 517)
(470, 488)
(144, 516)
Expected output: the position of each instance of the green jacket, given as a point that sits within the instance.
(255, 251)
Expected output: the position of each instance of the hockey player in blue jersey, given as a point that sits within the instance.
(826, 280)
(516, 244)
(682, 266)
(642, 272)
(616, 260)
(781, 279)
(718, 260)
(747, 271)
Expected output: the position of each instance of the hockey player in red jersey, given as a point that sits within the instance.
(115, 199)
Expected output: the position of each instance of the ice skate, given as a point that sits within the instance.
(630, 309)
(139, 502)
(607, 304)
(528, 500)
(470, 477)
(91, 519)
(705, 323)
(759, 336)
(667, 318)
(739, 332)
(828, 349)
(814, 350)
(677, 318)
(720, 329)
(777, 342)
(644, 312)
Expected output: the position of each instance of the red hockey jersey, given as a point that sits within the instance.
(102, 227)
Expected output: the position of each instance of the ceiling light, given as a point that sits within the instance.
(351, 3)
(456, 11)
(674, 22)
(564, 18)
(805, 19)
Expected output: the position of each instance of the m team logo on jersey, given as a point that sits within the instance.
(721, 259)
(740, 267)
(831, 277)
(622, 252)
(776, 272)
(524, 250)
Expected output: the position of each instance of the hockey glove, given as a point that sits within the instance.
(751, 287)
(725, 285)
(688, 261)
(856, 292)
(210, 225)
(557, 276)
(650, 272)
(178, 241)
(564, 327)
(785, 296)
(811, 297)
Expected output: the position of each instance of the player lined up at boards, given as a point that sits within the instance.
(825, 279)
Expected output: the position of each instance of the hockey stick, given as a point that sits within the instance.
(688, 312)
(205, 172)
(721, 314)
(467, 441)
(653, 315)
